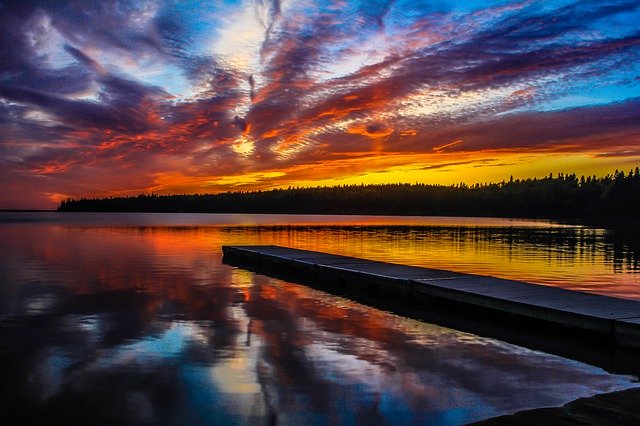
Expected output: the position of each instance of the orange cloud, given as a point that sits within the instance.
(373, 130)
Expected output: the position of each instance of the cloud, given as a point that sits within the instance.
(578, 129)
(87, 87)
(85, 59)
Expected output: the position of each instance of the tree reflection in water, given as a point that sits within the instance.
(145, 325)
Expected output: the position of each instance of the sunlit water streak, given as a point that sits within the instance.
(135, 318)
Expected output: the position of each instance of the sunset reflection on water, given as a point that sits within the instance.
(133, 322)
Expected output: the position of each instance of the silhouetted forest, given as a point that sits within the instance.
(565, 196)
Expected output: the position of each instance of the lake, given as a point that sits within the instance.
(133, 319)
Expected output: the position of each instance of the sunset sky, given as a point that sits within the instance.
(102, 98)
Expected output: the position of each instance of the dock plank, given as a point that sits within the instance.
(393, 271)
(616, 320)
(544, 296)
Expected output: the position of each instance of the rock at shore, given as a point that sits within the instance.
(615, 408)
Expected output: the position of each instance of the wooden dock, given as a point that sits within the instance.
(613, 321)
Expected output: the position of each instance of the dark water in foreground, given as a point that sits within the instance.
(134, 319)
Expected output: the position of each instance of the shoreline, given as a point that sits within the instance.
(612, 408)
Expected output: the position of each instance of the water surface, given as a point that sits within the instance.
(132, 318)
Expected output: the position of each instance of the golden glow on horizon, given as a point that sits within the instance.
(361, 168)
(443, 169)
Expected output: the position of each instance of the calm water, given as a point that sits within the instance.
(132, 318)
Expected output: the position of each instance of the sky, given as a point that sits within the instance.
(110, 98)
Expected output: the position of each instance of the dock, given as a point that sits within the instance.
(609, 320)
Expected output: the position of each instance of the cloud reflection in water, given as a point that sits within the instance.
(145, 325)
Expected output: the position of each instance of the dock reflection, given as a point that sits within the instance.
(145, 325)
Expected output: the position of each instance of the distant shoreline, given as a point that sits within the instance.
(611, 200)
(27, 211)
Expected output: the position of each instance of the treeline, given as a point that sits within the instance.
(565, 196)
